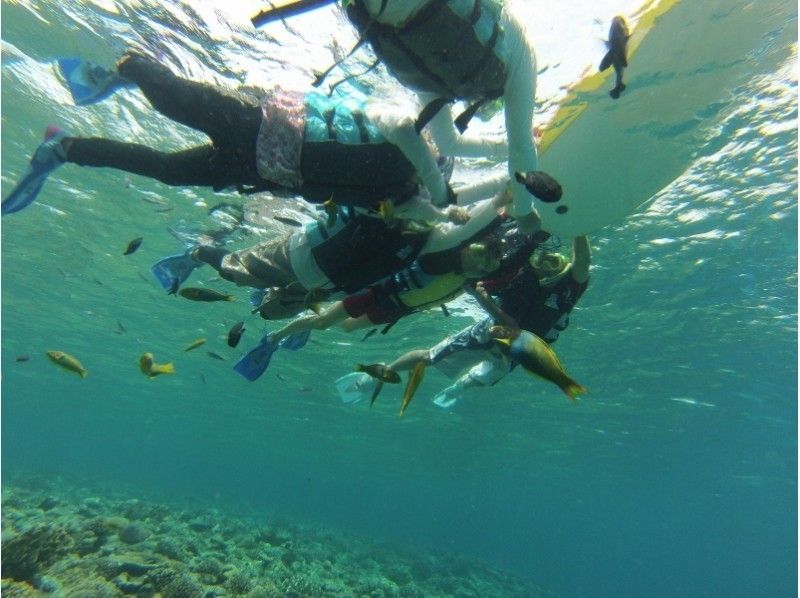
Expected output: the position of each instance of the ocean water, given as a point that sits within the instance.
(675, 476)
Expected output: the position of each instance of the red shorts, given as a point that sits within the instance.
(379, 308)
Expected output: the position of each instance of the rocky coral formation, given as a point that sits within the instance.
(61, 540)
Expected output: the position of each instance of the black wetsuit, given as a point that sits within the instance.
(231, 119)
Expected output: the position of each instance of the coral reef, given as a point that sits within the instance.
(62, 540)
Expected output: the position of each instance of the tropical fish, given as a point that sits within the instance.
(235, 334)
(541, 185)
(68, 362)
(331, 209)
(386, 209)
(369, 334)
(380, 371)
(216, 356)
(120, 328)
(536, 356)
(133, 246)
(289, 221)
(414, 380)
(197, 294)
(314, 297)
(151, 369)
(22, 358)
(618, 36)
(281, 377)
(445, 311)
(167, 209)
(194, 344)
(306, 389)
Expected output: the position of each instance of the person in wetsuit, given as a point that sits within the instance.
(534, 291)
(340, 149)
(472, 50)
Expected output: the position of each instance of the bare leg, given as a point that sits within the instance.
(408, 360)
(333, 315)
(358, 323)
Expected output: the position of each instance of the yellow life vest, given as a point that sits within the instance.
(440, 290)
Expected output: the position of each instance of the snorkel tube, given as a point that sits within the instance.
(288, 9)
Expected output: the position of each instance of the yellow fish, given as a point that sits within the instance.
(414, 380)
(151, 369)
(68, 362)
(380, 371)
(194, 344)
(536, 356)
(331, 209)
(386, 209)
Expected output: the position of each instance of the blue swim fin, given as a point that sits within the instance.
(295, 341)
(47, 157)
(257, 297)
(87, 82)
(172, 271)
(255, 361)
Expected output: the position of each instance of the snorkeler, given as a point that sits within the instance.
(343, 256)
(536, 291)
(448, 50)
(432, 280)
(355, 153)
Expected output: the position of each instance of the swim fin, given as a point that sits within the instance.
(296, 341)
(355, 386)
(447, 398)
(172, 271)
(257, 297)
(87, 82)
(47, 157)
(255, 361)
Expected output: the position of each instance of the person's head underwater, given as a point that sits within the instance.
(549, 267)
(480, 259)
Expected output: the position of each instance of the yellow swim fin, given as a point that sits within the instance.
(414, 380)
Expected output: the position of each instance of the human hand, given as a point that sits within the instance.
(503, 198)
(529, 224)
(457, 215)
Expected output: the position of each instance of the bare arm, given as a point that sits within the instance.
(446, 236)
(581, 258)
(489, 306)
(333, 315)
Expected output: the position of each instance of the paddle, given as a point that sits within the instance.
(288, 9)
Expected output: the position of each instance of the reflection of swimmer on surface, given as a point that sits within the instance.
(358, 152)
(451, 50)
(535, 291)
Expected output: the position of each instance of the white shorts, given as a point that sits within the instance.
(471, 348)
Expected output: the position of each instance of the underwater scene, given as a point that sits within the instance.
(282, 319)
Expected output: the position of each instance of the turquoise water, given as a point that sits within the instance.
(676, 475)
